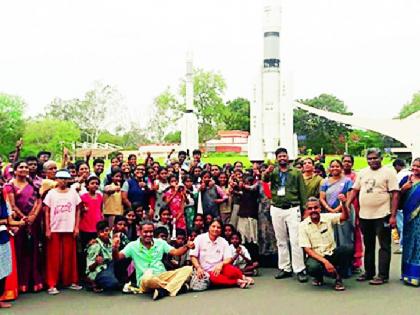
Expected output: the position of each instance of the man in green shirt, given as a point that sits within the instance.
(288, 199)
(146, 253)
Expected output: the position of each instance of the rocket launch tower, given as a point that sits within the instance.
(271, 108)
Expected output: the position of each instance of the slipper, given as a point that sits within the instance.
(378, 281)
(339, 286)
(243, 284)
(363, 277)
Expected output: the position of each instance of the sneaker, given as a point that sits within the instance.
(302, 277)
(75, 287)
(159, 293)
(127, 288)
(53, 291)
(283, 274)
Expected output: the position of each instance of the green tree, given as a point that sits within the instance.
(166, 111)
(173, 137)
(49, 134)
(108, 137)
(319, 132)
(134, 137)
(410, 108)
(100, 107)
(209, 88)
(237, 114)
(11, 121)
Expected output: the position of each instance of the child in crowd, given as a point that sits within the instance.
(161, 233)
(112, 197)
(199, 223)
(165, 219)
(62, 213)
(175, 197)
(100, 267)
(241, 257)
(120, 226)
(91, 212)
(131, 225)
(181, 240)
(228, 230)
(208, 220)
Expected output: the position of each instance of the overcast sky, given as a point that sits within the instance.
(364, 52)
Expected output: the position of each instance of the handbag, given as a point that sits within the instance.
(199, 284)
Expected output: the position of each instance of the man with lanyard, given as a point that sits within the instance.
(289, 197)
(146, 253)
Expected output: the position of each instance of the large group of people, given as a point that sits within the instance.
(183, 224)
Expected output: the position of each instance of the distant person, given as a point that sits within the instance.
(312, 180)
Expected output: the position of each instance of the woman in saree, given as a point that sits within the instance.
(331, 187)
(410, 201)
(6, 255)
(24, 201)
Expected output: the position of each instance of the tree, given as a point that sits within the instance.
(237, 114)
(412, 107)
(173, 137)
(209, 88)
(319, 132)
(49, 134)
(134, 137)
(11, 121)
(100, 107)
(166, 111)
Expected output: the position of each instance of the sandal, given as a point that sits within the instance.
(317, 283)
(98, 290)
(339, 286)
(363, 277)
(5, 305)
(378, 281)
(243, 284)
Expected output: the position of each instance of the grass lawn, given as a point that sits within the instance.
(220, 159)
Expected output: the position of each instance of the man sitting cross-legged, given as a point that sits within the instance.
(146, 253)
(316, 236)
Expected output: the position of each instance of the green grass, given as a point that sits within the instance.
(222, 158)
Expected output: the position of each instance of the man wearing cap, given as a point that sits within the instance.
(62, 215)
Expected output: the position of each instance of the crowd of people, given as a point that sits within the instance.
(168, 228)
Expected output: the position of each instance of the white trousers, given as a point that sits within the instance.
(286, 227)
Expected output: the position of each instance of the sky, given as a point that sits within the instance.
(366, 53)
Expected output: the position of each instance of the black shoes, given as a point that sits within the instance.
(159, 293)
(283, 274)
(302, 277)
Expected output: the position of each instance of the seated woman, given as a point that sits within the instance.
(241, 257)
(213, 255)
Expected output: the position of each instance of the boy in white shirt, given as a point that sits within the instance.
(241, 257)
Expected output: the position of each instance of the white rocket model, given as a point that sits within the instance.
(189, 123)
(271, 111)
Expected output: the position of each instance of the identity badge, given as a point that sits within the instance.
(281, 191)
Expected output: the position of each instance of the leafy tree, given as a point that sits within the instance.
(209, 88)
(412, 107)
(321, 132)
(48, 134)
(173, 137)
(108, 137)
(166, 112)
(11, 121)
(95, 112)
(237, 114)
(134, 137)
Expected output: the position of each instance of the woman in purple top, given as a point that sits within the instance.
(25, 203)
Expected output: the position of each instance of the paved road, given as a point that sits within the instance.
(268, 296)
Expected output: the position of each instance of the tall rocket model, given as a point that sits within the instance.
(271, 109)
(189, 123)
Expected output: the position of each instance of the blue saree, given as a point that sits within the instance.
(411, 237)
